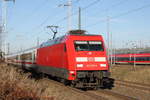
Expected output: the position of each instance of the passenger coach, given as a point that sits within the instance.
(138, 58)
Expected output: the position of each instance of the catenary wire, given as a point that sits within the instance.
(63, 19)
(120, 15)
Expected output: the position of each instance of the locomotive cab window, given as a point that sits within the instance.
(88, 46)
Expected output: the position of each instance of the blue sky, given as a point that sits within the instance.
(27, 20)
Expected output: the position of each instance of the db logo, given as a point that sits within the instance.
(89, 53)
(91, 59)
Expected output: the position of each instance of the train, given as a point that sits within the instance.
(77, 59)
(137, 58)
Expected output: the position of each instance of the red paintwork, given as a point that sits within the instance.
(52, 56)
(55, 56)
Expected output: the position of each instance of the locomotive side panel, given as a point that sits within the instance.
(53, 60)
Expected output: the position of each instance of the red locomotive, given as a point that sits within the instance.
(78, 59)
(138, 58)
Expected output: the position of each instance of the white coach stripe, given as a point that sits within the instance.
(81, 59)
(100, 58)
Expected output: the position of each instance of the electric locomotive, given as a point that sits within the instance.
(77, 59)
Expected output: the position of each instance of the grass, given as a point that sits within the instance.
(140, 74)
(15, 85)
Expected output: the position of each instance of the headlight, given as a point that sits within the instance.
(72, 72)
(103, 65)
(79, 65)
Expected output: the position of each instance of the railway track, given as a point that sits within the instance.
(97, 94)
(92, 95)
(140, 86)
(112, 95)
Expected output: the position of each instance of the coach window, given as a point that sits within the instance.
(147, 58)
(142, 59)
(138, 59)
(132, 58)
(65, 49)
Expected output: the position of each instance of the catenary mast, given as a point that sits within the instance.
(3, 24)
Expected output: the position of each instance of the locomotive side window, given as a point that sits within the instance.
(88, 46)
(149, 59)
(65, 49)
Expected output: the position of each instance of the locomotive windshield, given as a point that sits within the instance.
(88, 46)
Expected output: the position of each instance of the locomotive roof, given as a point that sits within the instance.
(80, 33)
(85, 34)
(59, 39)
(52, 42)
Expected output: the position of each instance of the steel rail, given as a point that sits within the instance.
(139, 86)
(114, 94)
